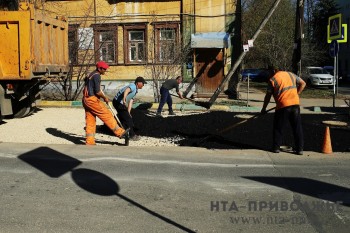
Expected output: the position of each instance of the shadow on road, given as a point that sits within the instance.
(313, 188)
(55, 164)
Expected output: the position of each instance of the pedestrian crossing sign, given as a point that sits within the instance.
(335, 26)
(344, 32)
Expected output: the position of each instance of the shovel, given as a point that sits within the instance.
(120, 124)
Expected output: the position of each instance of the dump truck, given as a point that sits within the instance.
(33, 51)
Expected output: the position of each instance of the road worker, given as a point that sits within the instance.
(165, 94)
(285, 88)
(94, 107)
(123, 101)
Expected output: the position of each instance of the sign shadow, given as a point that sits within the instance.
(55, 164)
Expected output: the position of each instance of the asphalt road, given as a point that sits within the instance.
(76, 188)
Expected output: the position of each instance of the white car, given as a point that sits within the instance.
(317, 76)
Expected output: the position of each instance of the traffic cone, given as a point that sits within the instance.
(327, 144)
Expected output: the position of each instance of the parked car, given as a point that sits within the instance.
(317, 76)
(330, 70)
(255, 75)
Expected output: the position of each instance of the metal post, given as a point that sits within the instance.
(298, 36)
(248, 91)
(337, 74)
(335, 71)
(243, 54)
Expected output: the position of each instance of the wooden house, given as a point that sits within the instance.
(154, 39)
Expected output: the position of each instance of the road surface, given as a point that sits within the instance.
(76, 188)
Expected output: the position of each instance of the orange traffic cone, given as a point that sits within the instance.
(327, 144)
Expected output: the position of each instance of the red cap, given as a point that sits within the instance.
(102, 64)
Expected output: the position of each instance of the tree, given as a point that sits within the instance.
(318, 12)
(275, 43)
(83, 54)
(166, 56)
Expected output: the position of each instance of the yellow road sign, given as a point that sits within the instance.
(334, 23)
(344, 37)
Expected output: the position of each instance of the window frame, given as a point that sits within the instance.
(98, 30)
(134, 27)
(73, 45)
(157, 46)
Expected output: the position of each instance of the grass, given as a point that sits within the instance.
(316, 93)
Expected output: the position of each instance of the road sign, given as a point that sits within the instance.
(334, 48)
(344, 32)
(334, 23)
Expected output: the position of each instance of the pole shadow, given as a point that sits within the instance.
(100, 184)
(55, 164)
(309, 187)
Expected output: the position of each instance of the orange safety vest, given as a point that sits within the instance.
(285, 90)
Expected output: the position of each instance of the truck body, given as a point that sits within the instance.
(33, 51)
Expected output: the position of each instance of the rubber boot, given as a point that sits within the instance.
(120, 132)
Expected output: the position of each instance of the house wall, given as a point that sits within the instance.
(197, 16)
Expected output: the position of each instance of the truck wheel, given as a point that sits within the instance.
(23, 112)
(23, 108)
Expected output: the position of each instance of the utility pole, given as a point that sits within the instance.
(298, 36)
(241, 57)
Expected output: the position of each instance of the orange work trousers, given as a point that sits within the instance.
(95, 108)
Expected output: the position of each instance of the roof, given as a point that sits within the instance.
(211, 40)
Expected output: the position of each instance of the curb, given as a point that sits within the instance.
(154, 106)
(176, 106)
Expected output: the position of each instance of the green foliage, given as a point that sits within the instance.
(275, 43)
(316, 21)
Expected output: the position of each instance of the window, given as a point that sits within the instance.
(73, 44)
(106, 42)
(86, 38)
(107, 47)
(136, 45)
(135, 38)
(166, 43)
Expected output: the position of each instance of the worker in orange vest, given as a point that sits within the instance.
(94, 107)
(285, 88)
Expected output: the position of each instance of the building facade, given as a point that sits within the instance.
(147, 38)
